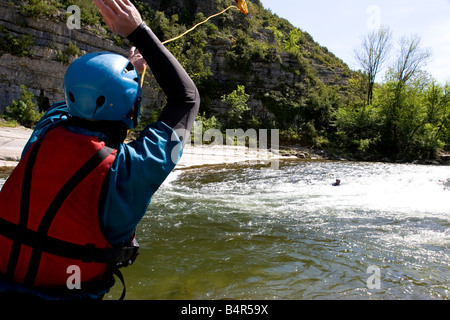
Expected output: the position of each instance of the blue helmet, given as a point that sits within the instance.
(103, 86)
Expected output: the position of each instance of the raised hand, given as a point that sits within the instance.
(121, 16)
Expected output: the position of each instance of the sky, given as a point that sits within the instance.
(341, 25)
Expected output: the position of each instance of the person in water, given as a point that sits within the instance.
(337, 183)
(69, 210)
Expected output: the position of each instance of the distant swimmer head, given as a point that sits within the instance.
(337, 183)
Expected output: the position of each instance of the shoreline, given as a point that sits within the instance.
(13, 140)
(203, 155)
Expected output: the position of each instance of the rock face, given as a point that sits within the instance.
(43, 71)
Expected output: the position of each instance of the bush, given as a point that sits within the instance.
(202, 125)
(70, 51)
(237, 103)
(35, 8)
(357, 129)
(16, 45)
(24, 111)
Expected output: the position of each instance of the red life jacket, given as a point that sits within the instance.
(49, 210)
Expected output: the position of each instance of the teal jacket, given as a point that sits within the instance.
(140, 167)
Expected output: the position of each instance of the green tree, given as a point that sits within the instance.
(400, 104)
(24, 111)
(437, 104)
(412, 58)
(237, 103)
(358, 129)
(372, 54)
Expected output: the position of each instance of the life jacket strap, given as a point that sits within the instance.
(86, 253)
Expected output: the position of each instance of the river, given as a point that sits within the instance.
(249, 232)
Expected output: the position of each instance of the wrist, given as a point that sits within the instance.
(135, 34)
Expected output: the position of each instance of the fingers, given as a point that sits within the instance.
(124, 6)
(111, 9)
(115, 5)
(100, 5)
(134, 53)
(106, 12)
(132, 50)
(120, 15)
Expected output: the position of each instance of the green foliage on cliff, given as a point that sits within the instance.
(316, 99)
(18, 45)
(56, 9)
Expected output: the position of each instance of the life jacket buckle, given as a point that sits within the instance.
(130, 261)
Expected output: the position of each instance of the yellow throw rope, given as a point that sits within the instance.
(143, 75)
(242, 6)
(198, 24)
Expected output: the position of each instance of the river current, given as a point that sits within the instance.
(248, 232)
(252, 232)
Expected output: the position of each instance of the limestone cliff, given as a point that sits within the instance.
(42, 69)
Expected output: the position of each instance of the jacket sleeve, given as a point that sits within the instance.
(142, 165)
(183, 99)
